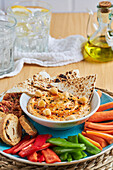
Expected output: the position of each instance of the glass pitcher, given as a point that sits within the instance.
(99, 47)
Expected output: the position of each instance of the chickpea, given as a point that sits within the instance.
(41, 103)
(66, 94)
(71, 117)
(54, 90)
(47, 112)
(38, 93)
(83, 100)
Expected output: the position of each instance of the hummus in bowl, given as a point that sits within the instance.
(74, 112)
(58, 106)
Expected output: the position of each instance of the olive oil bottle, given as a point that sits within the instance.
(99, 47)
(98, 50)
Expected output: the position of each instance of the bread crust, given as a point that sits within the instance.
(2, 114)
(27, 126)
(10, 129)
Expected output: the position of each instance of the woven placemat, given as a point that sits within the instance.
(102, 162)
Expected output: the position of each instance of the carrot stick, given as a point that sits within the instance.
(106, 123)
(103, 131)
(103, 143)
(105, 106)
(101, 116)
(98, 126)
(94, 143)
(99, 93)
(86, 128)
(107, 137)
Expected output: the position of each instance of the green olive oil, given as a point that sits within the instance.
(97, 50)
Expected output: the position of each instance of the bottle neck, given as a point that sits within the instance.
(103, 19)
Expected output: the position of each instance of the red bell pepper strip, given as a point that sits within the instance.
(10, 151)
(50, 156)
(41, 139)
(23, 145)
(40, 157)
(33, 157)
(30, 149)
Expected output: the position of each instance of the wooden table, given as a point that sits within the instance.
(63, 25)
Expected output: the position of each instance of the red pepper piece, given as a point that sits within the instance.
(23, 145)
(10, 151)
(33, 157)
(50, 156)
(41, 139)
(30, 149)
(40, 157)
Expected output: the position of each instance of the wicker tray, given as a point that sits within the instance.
(102, 162)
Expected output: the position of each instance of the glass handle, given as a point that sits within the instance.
(90, 12)
(91, 25)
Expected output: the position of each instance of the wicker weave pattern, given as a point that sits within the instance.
(103, 162)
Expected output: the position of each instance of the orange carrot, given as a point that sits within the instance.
(103, 143)
(107, 137)
(105, 106)
(94, 143)
(101, 116)
(103, 131)
(106, 123)
(98, 126)
(99, 93)
(86, 128)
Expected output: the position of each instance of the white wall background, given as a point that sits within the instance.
(61, 5)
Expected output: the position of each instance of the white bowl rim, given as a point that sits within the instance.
(61, 122)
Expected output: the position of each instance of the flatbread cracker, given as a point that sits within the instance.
(43, 80)
(79, 87)
(68, 81)
(24, 87)
(66, 76)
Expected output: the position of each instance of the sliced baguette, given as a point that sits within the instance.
(2, 114)
(27, 126)
(10, 129)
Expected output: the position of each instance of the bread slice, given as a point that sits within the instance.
(2, 114)
(10, 129)
(27, 126)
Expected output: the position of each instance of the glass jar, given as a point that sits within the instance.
(7, 41)
(33, 25)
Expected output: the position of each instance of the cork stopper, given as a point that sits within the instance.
(104, 10)
(105, 4)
